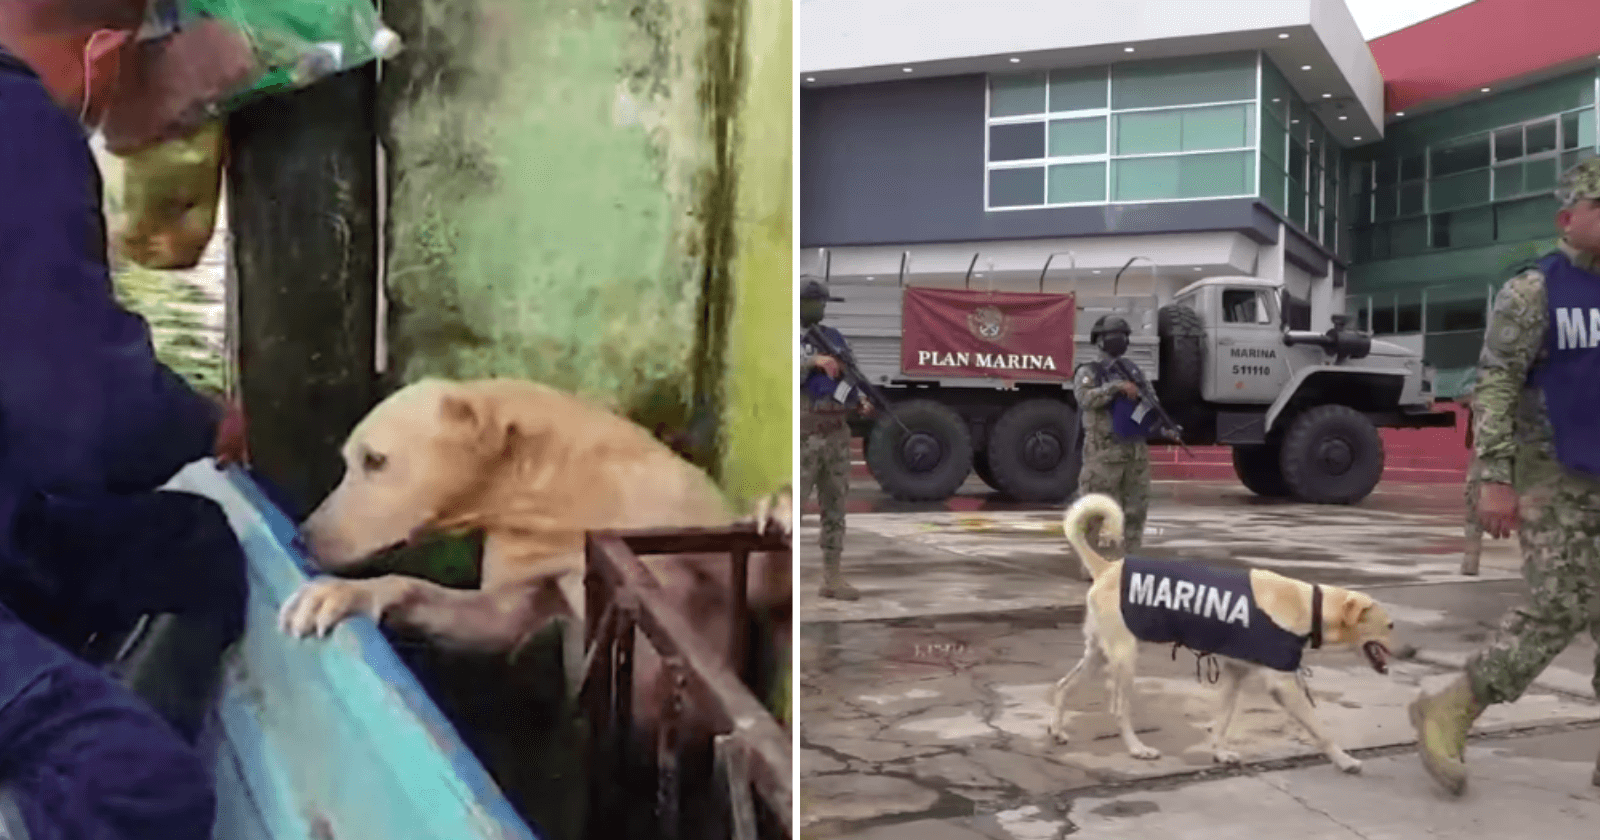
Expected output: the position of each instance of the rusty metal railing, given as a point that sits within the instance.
(750, 750)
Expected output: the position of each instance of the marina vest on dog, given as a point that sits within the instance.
(1570, 374)
(1208, 609)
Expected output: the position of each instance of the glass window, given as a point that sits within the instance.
(1077, 182)
(1361, 208)
(1508, 180)
(1078, 137)
(1508, 143)
(1218, 127)
(1360, 176)
(1528, 218)
(1245, 306)
(1160, 84)
(1275, 93)
(1274, 142)
(1572, 158)
(1412, 200)
(1539, 175)
(1330, 227)
(1016, 187)
(1077, 90)
(1387, 201)
(1297, 202)
(1273, 184)
(1184, 176)
(1014, 96)
(1150, 132)
(1408, 236)
(1540, 137)
(1388, 171)
(1458, 191)
(1297, 160)
(1463, 228)
(1573, 135)
(1460, 155)
(1016, 141)
(1414, 167)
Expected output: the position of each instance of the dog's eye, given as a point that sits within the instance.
(1391, 625)
(373, 461)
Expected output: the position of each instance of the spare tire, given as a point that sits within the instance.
(1033, 452)
(1332, 455)
(1182, 367)
(929, 462)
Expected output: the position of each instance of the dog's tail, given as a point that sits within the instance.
(1075, 525)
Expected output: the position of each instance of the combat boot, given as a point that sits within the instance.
(1595, 779)
(1442, 721)
(833, 582)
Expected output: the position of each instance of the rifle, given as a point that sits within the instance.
(816, 337)
(1172, 431)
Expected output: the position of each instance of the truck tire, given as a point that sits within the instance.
(980, 468)
(1332, 455)
(1033, 452)
(1259, 471)
(926, 465)
(1182, 364)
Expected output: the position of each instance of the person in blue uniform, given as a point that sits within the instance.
(91, 424)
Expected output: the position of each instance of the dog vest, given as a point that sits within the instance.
(1569, 376)
(1209, 609)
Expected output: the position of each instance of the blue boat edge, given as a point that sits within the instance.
(297, 719)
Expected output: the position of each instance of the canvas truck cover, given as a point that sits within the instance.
(1013, 336)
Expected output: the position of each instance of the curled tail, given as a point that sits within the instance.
(1075, 525)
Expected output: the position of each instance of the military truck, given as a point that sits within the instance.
(1232, 358)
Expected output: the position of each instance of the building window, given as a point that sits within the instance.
(1470, 191)
(1302, 167)
(1155, 131)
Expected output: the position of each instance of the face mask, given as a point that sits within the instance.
(1114, 343)
(811, 312)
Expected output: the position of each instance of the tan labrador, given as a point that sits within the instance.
(533, 468)
(1349, 619)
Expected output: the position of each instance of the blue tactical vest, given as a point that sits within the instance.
(1208, 609)
(1569, 376)
(821, 387)
(1131, 419)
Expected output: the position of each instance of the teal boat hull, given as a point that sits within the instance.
(332, 738)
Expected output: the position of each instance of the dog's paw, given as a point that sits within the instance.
(1347, 764)
(1226, 757)
(774, 514)
(1145, 753)
(318, 606)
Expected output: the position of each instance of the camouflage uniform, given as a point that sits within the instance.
(1559, 516)
(825, 462)
(1472, 528)
(1118, 468)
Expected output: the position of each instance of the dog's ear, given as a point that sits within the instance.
(1354, 606)
(472, 418)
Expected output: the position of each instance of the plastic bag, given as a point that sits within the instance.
(297, 42)
(170, 196)
(198, 59)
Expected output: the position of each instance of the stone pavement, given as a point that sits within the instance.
(924, 704)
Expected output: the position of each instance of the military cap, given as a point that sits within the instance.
(814, 290)
(1109, 324)
(1579, 182)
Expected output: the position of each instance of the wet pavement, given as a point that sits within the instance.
(924, 704)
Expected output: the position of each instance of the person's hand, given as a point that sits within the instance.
(1497, 508)
(232, 445)
(828, 364)
(867, 408)
(1130, 390)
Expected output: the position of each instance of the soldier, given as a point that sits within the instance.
(1538, 447)
(826, 400)
(1117, 465)
(1473, 527)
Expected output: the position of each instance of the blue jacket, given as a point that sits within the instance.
(85, 407)
(1571, 368)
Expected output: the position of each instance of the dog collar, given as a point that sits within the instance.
(1316, 616)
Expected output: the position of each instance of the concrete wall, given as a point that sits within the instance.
(596, 197)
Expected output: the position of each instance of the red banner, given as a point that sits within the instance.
(1015, 336)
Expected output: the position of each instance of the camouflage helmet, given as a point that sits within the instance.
(1108, 324)
(814, 290)
(1579, 182)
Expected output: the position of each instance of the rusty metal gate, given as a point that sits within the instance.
(751, 752)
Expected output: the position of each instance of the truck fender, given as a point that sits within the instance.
(1298, 381)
